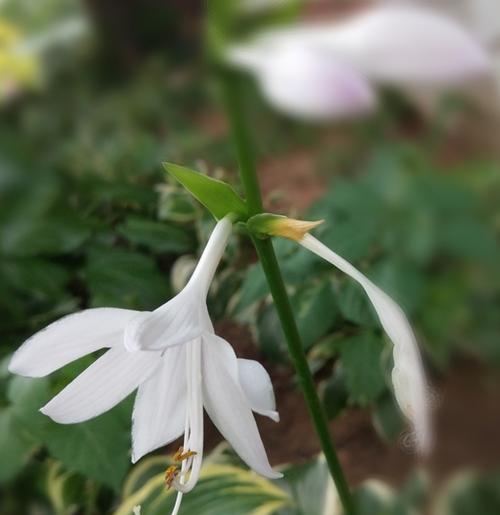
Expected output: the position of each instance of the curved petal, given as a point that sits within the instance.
(228, 407)
(160, 405)
(407, 44)
(257, 387)
(181, 319)
(408, 375)
(101, 386)
(185, 317)
(70, 338)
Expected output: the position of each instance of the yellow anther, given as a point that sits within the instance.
(170, 474)
(180, 455)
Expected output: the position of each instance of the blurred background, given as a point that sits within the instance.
(93, 97)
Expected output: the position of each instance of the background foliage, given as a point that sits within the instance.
(89, 218)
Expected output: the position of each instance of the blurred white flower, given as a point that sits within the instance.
(308, 68)
(178, 365)
(408, 376)
(307, 83)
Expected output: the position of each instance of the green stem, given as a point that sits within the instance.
(265, 250)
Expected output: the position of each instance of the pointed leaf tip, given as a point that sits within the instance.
(217, 196)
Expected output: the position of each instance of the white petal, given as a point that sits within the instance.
(160, 405)
(70, 338)
(408, 375)
(408, 44)
(257, 386)
(180, 320)
(101, 386)
(185, 317)
(228, 407)
(307, 83)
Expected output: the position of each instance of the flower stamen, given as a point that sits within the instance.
(170, 475)
(182, 455)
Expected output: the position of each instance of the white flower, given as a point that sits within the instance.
(299, 80)
(408, 45)
(321, 69)
(408, 377)
(178, 365)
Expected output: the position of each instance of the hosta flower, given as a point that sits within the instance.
(408, 377)
(178, 365)
(301, 81)
(314, 68)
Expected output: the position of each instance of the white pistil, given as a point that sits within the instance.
(193, 431)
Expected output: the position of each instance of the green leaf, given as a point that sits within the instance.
(221, 489)
(354, 304)
(253, 288)
(387, 418)
(98, 448)
(311, 488)
(470, 494)
(361, 360)
(160, 237)
(315, 310)
(57, 234)
(335, 393)
(270, 334)
(124, 278)
(217, 196)
(27, 395)
(13, 448)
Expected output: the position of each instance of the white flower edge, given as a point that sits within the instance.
(408, 376)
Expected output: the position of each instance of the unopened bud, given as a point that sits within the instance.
(275, 225)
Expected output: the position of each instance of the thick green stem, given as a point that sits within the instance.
(265, 250)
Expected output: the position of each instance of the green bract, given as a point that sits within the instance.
(217, 196)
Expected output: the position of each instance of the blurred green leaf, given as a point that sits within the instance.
(361, 361)
(125, 278)
(470, 494)
(54, 234)
(387, 418)
(160, 237)
(335, 394)
(222, 489)
(98, 448)
(253, 288)
(13, 448)
(217, 196)
(315, 310)
(270, 334)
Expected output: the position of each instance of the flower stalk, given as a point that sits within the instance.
(244, 150)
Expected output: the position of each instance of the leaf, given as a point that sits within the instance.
(354, 304)
(98, 448)
(335, 394)
(125, 279)
(27, 395)
(470, 494)
(57, 234)
(311, 488)
(253, 288)
(217, 196)
(361, 360)
(316, 311)
(13, 448)
(270, 334)
(221, 489)
(351, 238)
(387, 418)
(160, 237)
